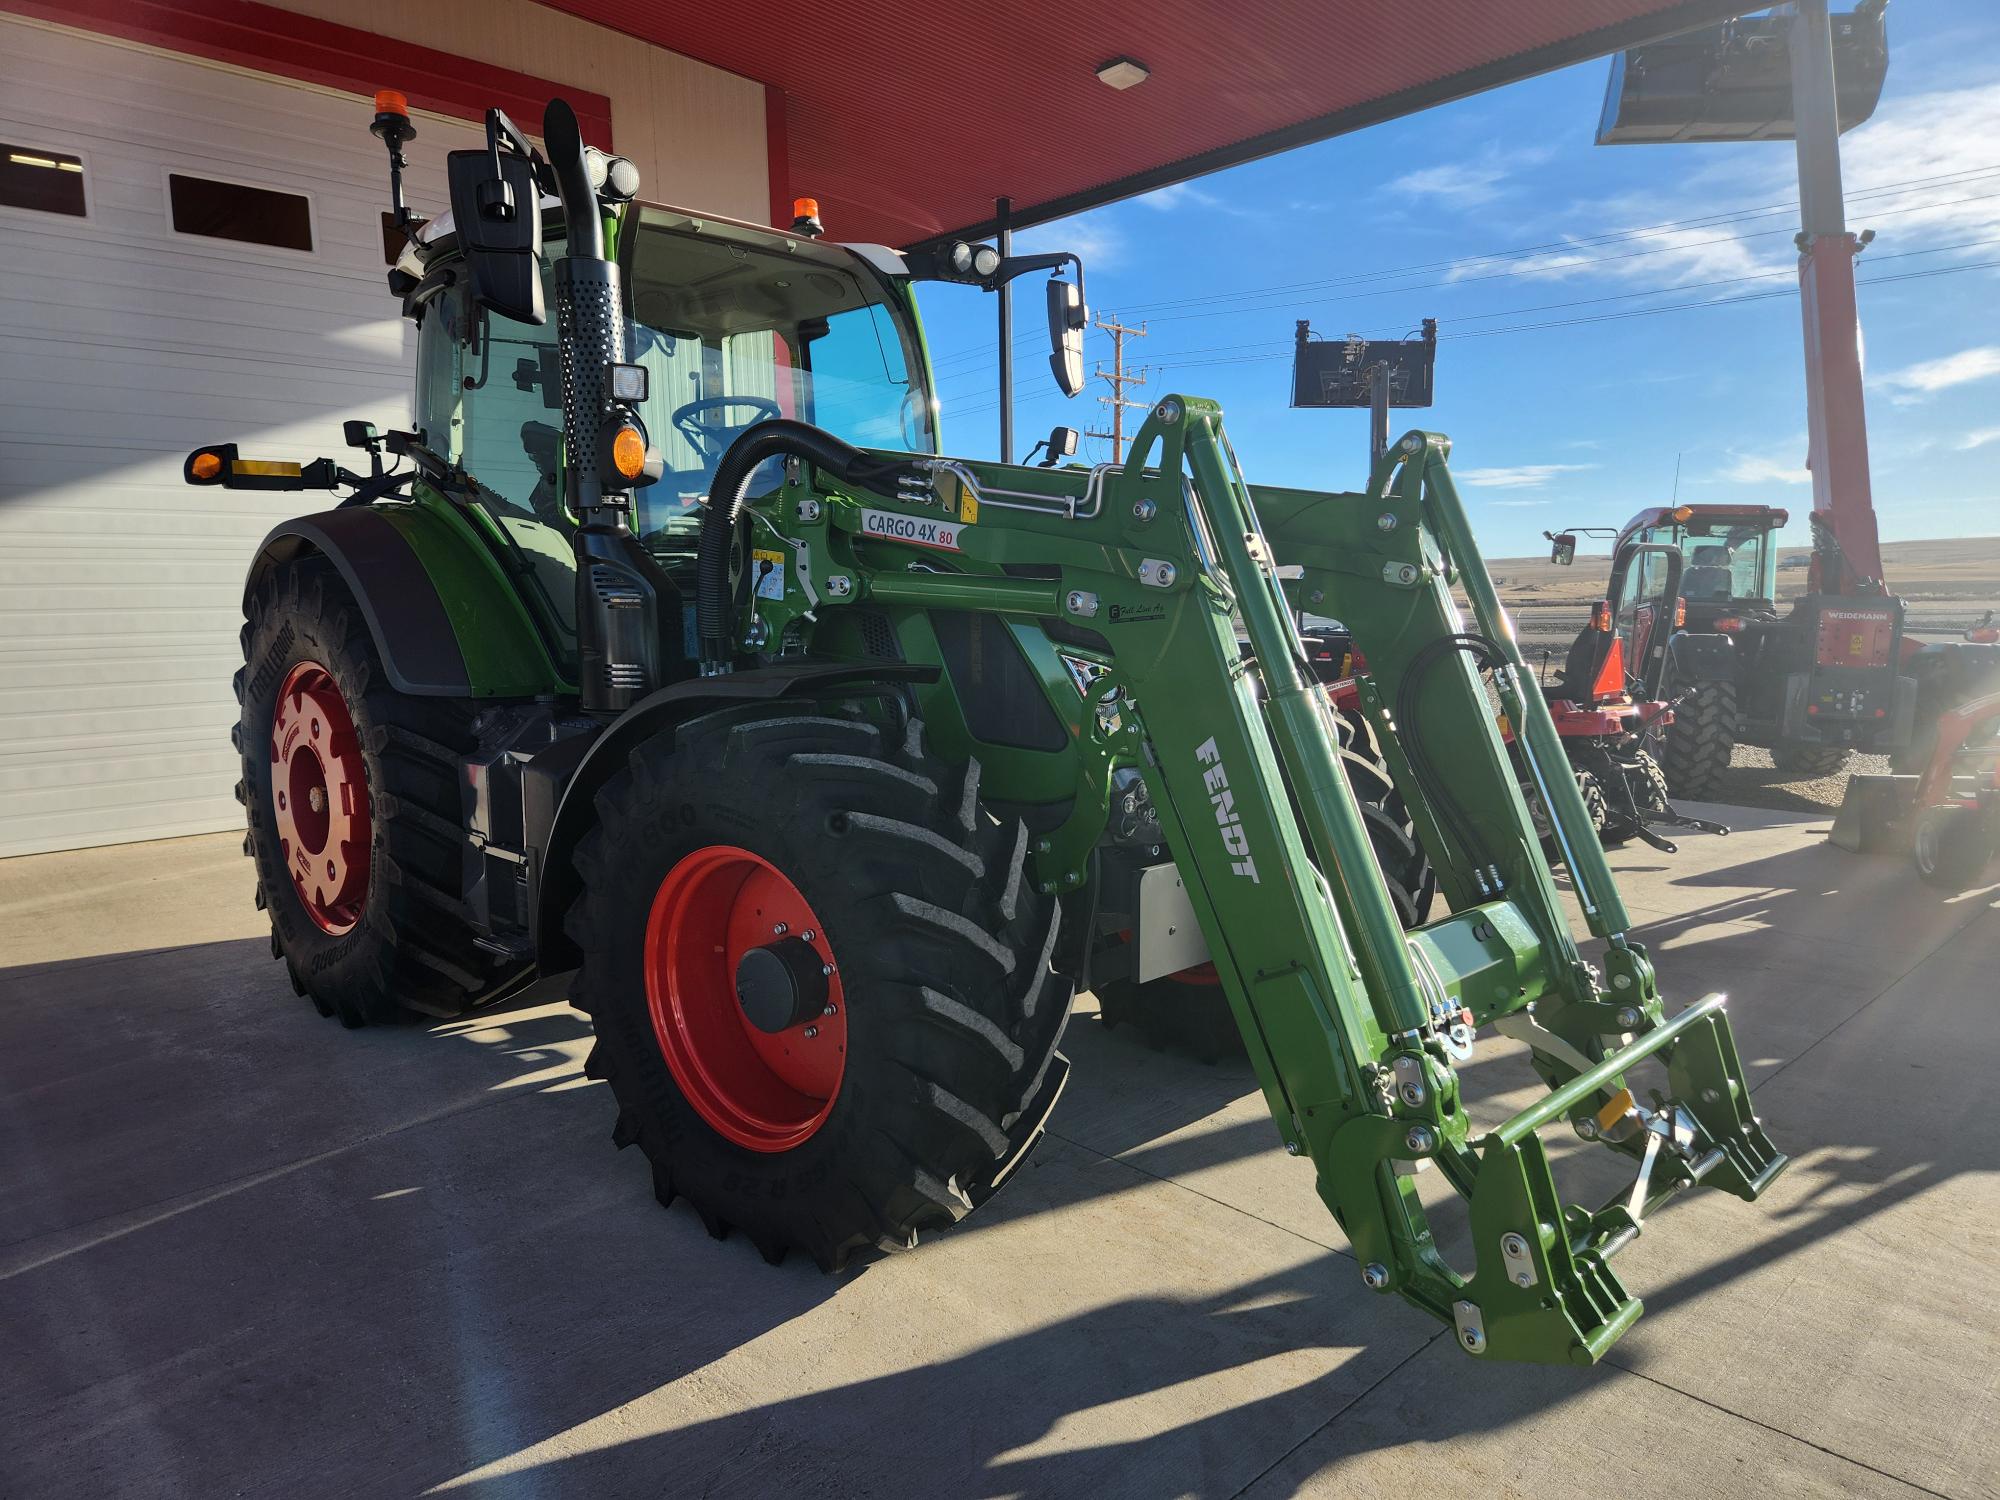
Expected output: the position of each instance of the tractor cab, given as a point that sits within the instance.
(1731, 560)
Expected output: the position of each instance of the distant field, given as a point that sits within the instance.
(1948, 585)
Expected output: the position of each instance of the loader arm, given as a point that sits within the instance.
(1355, 1029)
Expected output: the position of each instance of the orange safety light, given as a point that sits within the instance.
(391, 102)
(1600, 615)
(628, 453)
(805, 218)
(1682, 512)
(1610, 681)
(205, 466)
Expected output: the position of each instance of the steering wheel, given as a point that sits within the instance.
(713, 438)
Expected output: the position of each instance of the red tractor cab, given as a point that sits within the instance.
(1812, 681)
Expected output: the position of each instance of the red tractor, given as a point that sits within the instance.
(1812, 682)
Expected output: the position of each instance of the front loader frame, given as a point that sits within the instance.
(1353, 1027)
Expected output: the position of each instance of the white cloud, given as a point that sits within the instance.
(1977, 439)
(1941, 133)
(1766, 468)
(1516, 477)
(1910, 385)
(1178, 195)
(1474, 181)
(1517, 502)
(1097, 242)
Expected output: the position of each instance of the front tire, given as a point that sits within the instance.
(862, 1116)
(1953, 847)
(350, 791)
(1188, 1012)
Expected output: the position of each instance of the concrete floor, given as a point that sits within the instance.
(245, 1252)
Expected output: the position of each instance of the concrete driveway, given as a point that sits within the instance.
(243, 1252)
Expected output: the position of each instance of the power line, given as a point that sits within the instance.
(1643, 312)
(1717, 219)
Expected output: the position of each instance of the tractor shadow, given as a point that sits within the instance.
(248, 1251)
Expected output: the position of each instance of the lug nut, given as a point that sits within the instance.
(811, 1032)
(1386, 521)
(1421, 1139)
(1144, 510)
(1375, 1275)
(779, 929)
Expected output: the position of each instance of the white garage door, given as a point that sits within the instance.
(191, 254)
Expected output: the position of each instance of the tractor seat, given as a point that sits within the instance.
(1703, 581)
(1580, 668)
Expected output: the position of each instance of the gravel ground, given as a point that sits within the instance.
(1754, 782)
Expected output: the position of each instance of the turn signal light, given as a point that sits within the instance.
(1680, 612)
(628, 453)
(1600, 615)
(1729, 624)
(206, 468)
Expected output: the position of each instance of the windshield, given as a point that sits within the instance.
(734, 329)
(1723, 561)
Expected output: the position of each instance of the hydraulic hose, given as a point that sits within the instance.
(766, 440)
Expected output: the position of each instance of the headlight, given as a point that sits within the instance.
(985, 260)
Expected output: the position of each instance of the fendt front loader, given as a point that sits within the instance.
(673, 651)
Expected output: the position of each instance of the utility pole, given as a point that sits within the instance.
(1118, 379)
(1003, 211)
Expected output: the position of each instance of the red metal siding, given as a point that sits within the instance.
(280, 42)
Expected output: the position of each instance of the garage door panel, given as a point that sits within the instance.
(123, 345)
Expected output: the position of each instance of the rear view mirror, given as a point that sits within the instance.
(1564, 549)
(496, 210)
(1067, 316)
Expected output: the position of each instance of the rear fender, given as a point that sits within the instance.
(445, 620)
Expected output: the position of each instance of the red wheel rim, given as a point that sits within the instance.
(768, 1091)
(319, 791)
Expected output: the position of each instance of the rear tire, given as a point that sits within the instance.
(1701, 740)
(1188, 1012)
(1646, 784)
(401, 944)
(1811, 760)
(1953, 847)
(947, 1007)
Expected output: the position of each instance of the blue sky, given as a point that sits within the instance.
(1487, 214)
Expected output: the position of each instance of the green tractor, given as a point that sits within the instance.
(670, 649)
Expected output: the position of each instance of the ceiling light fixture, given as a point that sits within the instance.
(1123, 73)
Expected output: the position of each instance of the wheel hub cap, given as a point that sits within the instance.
(745, 998)
(319, 791)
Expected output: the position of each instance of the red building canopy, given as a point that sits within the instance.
(908, 122)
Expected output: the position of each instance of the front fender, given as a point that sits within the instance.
(445, 620)
(558, 885)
